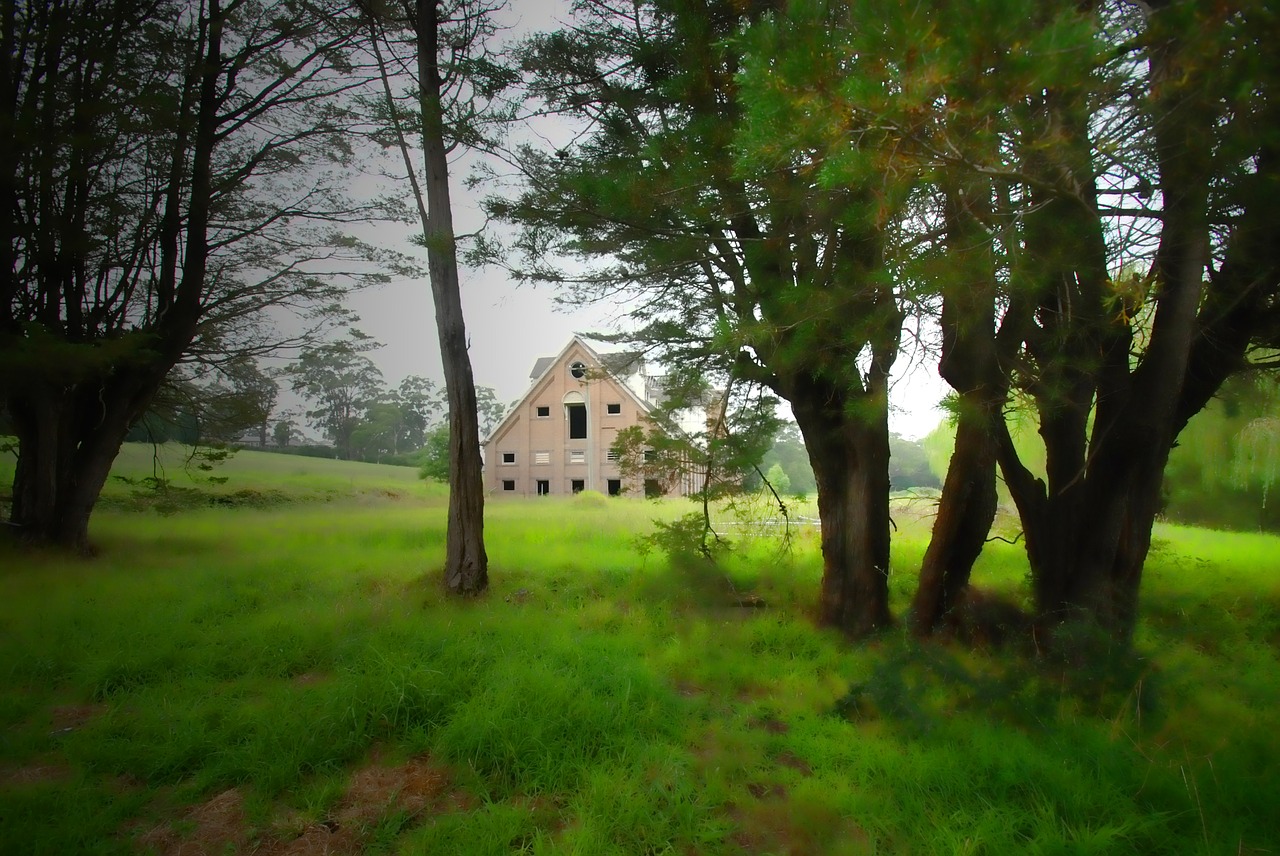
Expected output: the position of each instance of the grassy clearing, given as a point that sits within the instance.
(265, 678)
(167, 478)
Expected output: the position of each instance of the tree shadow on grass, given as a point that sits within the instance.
(919, 686)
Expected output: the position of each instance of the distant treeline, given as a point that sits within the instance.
(309, 450)
(1221, 471)
(787, 466)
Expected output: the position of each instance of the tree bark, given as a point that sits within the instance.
(848, 445)
(966, 511)
(968, 363)
(68, 437)
(1089, 526)
(466, 562)
(73, 410)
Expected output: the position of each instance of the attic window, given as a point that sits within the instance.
(544, 412)
(508, 457)
(613, 409)
(578, 369)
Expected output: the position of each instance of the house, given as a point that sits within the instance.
(558, 437)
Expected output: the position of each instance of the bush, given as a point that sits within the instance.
(590, 499)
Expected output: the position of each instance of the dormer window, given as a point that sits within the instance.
(578, 369)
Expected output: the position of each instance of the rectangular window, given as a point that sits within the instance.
(544, 487)
(508, 484)
(615, 487)
(577, 421)
(577, 456)
(650, 456)
(613, 409)
(542, 457)
(578, 485)
(508, 457)
(544, 412)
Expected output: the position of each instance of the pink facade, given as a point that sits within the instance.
(557, 439)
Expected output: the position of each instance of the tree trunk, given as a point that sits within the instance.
(1089, 527)
(73, 410)
(965, 514)
(466, 563)
(1087, 543)
(970, 351)
(68, 437)
(849, 450)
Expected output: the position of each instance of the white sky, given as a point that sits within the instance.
(510, 327)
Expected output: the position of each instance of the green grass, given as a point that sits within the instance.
(168, 478)
(596, 700)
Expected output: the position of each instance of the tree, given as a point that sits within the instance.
(434, 460)
(377, 432)
(238, 397)
(908, 465)
(967, 106)
(342, 384)
(1224, 464)
(1116, 378)
(779, 479)
(284, 433)
(397, 420)
(416, 398)
(435, 454)
(1147, 147)
(172, 171)
(819, 165)
(453, 76)
(489, 409)
(770, 258)
(788, 452)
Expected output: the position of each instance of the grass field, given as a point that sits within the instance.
(267, 666)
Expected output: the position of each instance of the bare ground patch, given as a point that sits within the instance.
(216, 826)
(772, 816)
(71, 717)
(774, 821)
(416, 790)
(28, 775)
(62, 719)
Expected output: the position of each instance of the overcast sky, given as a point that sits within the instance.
(510, 327)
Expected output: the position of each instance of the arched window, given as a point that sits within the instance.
(575, 407)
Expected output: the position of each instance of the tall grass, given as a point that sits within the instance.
(601, 701)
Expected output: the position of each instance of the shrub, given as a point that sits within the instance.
(590, 499)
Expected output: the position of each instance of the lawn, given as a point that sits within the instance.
(267, 665)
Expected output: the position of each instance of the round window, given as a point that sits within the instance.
(578, 370)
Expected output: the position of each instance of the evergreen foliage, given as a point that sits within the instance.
(1084, 194)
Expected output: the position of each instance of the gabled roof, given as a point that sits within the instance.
(613, 364)
(541, 366)
(620, 363)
